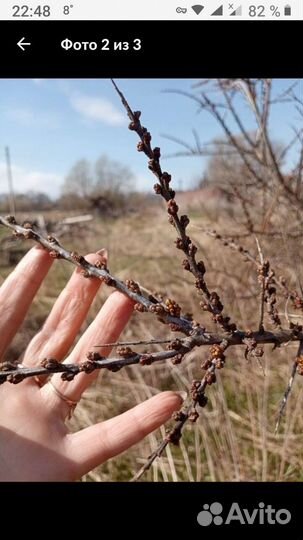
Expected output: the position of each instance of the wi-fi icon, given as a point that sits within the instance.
(197, 9)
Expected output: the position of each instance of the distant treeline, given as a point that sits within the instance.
(109, 203)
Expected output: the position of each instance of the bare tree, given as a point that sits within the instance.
(101, 187)
(79, 180)
(249, 160)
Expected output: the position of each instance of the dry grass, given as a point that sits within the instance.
(234, 437)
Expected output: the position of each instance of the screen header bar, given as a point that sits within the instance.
(129, 49)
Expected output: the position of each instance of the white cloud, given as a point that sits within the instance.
(97, 109)
(21, 115)
(26, 180)
(26, 116)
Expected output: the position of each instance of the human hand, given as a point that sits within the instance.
(35, 444)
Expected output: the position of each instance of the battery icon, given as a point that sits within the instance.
(287, 10)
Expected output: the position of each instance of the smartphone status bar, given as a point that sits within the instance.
(275, 10)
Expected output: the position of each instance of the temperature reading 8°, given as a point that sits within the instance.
(256, 11)
(67, 9)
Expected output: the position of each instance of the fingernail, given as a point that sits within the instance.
(183, 395)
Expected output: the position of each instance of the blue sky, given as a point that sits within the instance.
(50, 124)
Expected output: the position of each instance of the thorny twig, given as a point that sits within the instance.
(9, 372)
(297, 367)
(99, 270)
(211, 300)
(189, 412)
(261, 272)
(266, 276)
(174, 435)
(139, 342)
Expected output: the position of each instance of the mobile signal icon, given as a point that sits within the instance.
(218, 12)
(237, 12)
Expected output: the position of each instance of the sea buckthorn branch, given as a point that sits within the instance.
(189, 411)
(211, 300)
(269, 290)
(198, 393)
(169, 313)
(11, 373)
(230, 242)
(172, 437)
(267, 279)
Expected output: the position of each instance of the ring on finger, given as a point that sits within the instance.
(70, 402)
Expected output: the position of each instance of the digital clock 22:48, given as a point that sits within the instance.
(27, 11)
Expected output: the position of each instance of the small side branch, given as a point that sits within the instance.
(297, 367)
(262, 276)
(172, 437)
(190, 412)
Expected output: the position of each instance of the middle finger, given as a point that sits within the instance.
(66, 317)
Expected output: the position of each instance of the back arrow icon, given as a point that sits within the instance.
(22, 44)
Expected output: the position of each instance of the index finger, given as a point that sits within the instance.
(18, 291)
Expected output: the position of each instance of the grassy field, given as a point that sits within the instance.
(234, 437)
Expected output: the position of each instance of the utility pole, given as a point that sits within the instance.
(12, 206)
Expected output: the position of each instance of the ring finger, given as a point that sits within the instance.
(106, 328)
